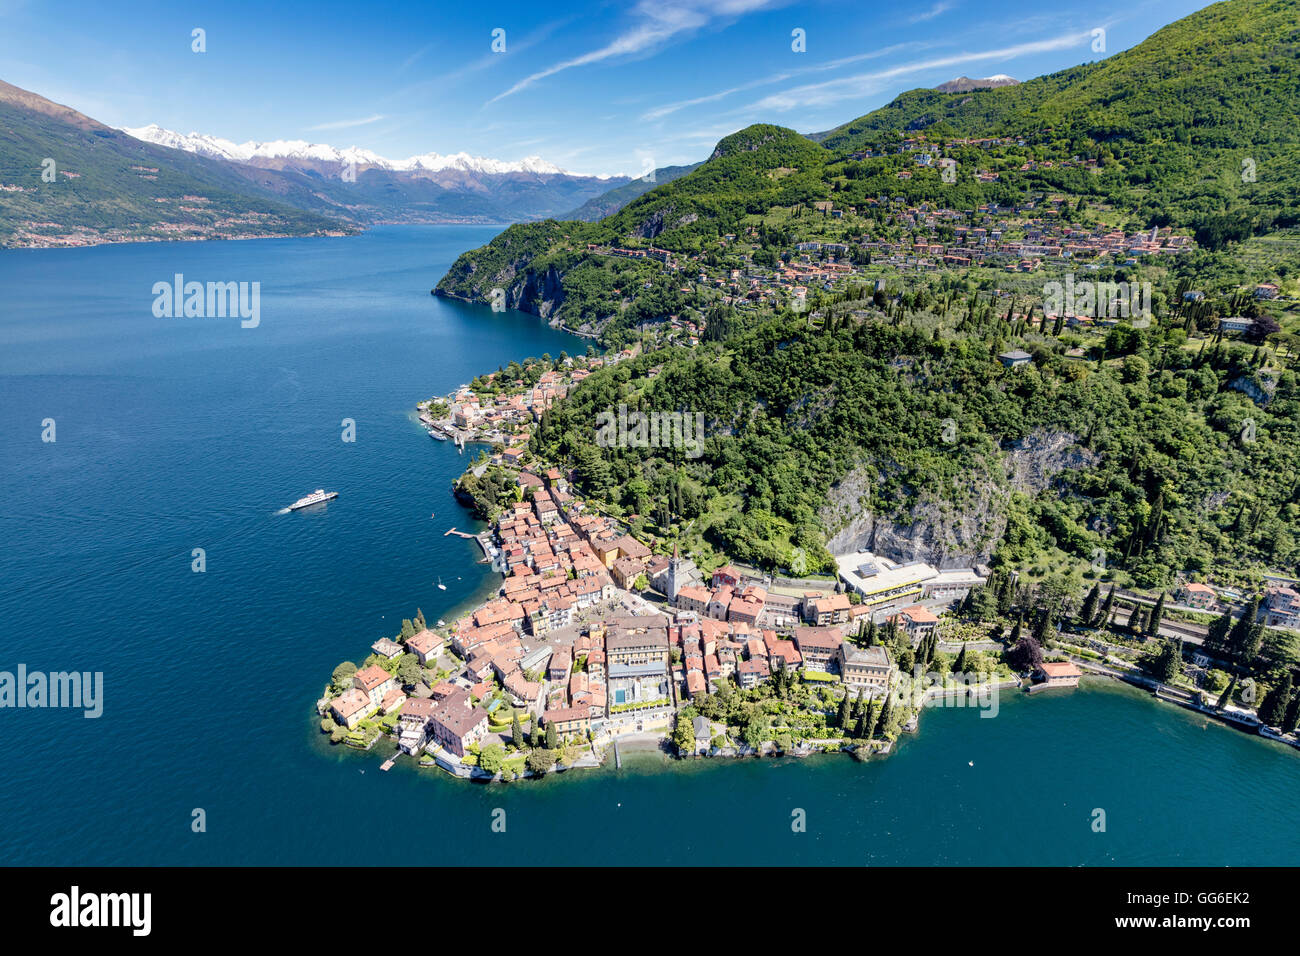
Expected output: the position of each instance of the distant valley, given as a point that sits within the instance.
(69, 180)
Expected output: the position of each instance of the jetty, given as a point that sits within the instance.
(618, 758)
(459, 534)
(388, 764)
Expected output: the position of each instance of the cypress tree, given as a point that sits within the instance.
(1227, 694)
(1170, 662)
(886, 714)
(551, 738)
(1106, 605)
(1273, 708)
(1089, 609)
(1292, 716)
(1217, 636)
(861, 729)
(873, 718)
(960, 666)
(516, 732)
(842, 719)
(871, 633)
(1015, 633)
(1007, 594)
(1153, 624)
(1239, 638)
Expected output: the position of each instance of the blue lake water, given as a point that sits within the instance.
(176, 434)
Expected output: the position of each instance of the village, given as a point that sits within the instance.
(595, 638)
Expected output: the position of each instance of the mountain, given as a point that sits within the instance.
(66, 179)
(1159, 132)
(964, 84)
(826, 430)
(360, 185)
(1170, 120)
(607, 204)
(303, 151)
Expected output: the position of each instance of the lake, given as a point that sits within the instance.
(175, 434)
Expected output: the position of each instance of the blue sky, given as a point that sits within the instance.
(595, 87)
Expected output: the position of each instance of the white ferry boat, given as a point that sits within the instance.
(319, 496)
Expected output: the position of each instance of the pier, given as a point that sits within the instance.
(618, 758)
(459, 534)
(388, 764)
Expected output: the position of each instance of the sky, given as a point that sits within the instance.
(603, 88)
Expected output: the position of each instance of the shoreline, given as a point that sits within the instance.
(344, 234)
(510, 409)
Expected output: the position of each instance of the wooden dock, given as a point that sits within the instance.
(388, 764)
(459, 534)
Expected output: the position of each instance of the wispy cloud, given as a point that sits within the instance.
(939, 8)
(865, 84)
(668, 108)
(347, 124)
(657, 22)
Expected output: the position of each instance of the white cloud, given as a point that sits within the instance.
(658, 21)
(347, 124)
(661, 111)
(939, 8)
(865, 84)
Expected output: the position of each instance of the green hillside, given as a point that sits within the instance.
(108, 185)
(1163, 446)
(608, 203)
(1172, 119)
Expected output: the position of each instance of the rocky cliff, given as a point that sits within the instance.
(955, 530)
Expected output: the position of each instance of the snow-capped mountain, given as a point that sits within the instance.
(301, 150)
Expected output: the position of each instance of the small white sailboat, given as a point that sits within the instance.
(441, 622)
(441, 586)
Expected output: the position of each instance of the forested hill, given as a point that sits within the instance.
(882, 410)
(1194, 128)
(1147, 460)
(1175, 116)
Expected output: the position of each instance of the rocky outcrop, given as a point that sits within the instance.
(956, 530)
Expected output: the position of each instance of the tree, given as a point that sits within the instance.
(516, 731)
(341, 679)
(492, 758)
(960, 666)
(861, 730)
(886, 715)
(842, 719)
(540, 760)
(1292, 716)
(552, 739)
(1104, 615)
(1273, 708)
(1216, 637)
(409, 671)
(684, 731)
(1026, 654)
(1227, 694)
(1240, 638)
(1153, 625)
(1089, 609)
(1168, 664)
